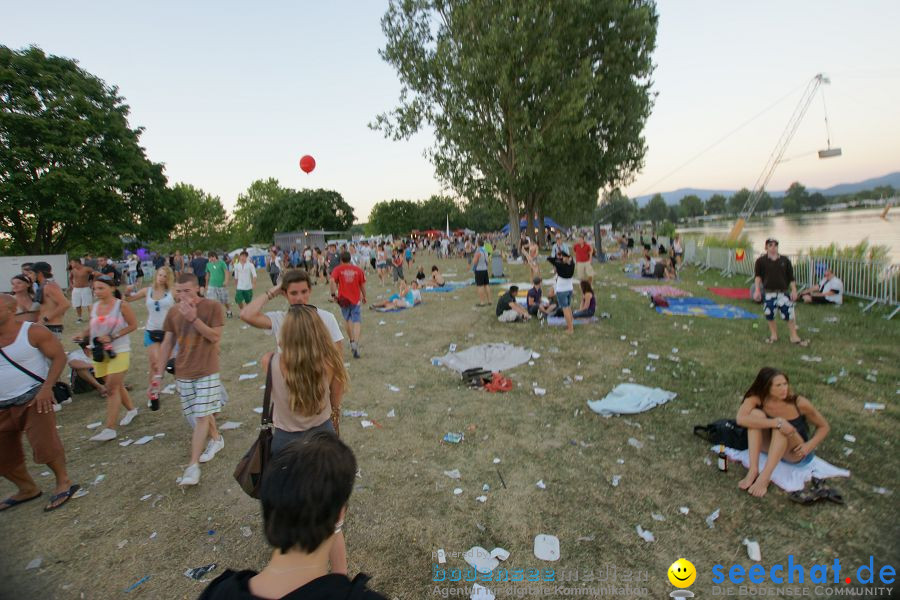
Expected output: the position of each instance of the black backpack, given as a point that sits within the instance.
(723, 431)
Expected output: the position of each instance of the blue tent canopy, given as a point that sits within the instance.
(548, 223)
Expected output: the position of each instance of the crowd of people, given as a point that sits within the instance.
(305, 493)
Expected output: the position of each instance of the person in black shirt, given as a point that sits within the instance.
(508, 309)
(198, 266)
(304, 500)
(109, 269)
(774, 275)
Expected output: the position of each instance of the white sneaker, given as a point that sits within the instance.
(212, 447)
(105, 435)
(129, 417)
(191, 475)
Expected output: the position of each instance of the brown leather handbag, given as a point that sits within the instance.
(251, 468)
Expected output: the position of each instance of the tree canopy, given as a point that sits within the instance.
(73, 175)
(531, 102)
(202, 224)
(266, 208)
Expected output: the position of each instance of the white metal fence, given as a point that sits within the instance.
(877, 282)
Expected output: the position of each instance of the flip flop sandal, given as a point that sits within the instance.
(64, 496)
(829, 493)
(805, 497)
(801, 343)
(11, 502)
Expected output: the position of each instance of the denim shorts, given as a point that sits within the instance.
(281, 438)
(352, 313)
(564, 299)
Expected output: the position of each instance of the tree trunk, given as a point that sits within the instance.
(540, 223)
(512, 207)
(529, 218)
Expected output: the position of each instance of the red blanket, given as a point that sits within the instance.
(733, 293)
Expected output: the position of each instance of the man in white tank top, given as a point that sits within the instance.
(26, 406)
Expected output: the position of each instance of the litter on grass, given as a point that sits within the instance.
(143, 440)
(480, 559)
(198, 573)
(873, 406)
(246, 376)
(441, 556)
(169, 389)
(684, 510)
(95, 425)
(393, 388)
(457, 491)
(125, 443)
(482, 499)
(538, 391)
(228, 425)
(496, 461)
(635, 443)
(647, 536)
(146, 497)
(454, 438)
(711, 519)
(34, 563)
(546, 547)
(753, 551)
(252, 363)
(454, 474)
(135, 585)
(479, 592)
(849, 438)
(258, 410)
(615, 480)
(391, 414)
(657, 517)
(99, 479)
(541, 484)
(246, 531)
(366, 424)
(630, 398)
(80, 493)
(355, 413)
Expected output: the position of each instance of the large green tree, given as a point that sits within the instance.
(737, 201)
(395, 217)
(266, 208)
(656, 210)
(202, 225)
(691, 206)
(617, 210)
(73, 176)
(716, 205)
(530, 101)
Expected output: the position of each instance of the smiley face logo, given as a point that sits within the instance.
(682, 573)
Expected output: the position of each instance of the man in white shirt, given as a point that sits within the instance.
(296, 287)
(245, 276)
(830, 290)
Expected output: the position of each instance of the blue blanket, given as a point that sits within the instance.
(703, 307)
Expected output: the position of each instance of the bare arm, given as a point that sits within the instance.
(252, 313)
(62, 304)
(337, 393)
(165, 352)
(41, 338)
(815, 417)
(745, 419)
(362, 288)
(212, 334)
(133, 297)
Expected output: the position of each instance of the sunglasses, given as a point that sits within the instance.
(156, 305)
(299, 307)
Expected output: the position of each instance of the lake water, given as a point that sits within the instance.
(800, 232)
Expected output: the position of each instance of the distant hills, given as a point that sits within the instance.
(675, 196)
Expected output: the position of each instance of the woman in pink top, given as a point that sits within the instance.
(308, 382)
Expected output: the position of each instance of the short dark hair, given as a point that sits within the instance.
(536, 281)
(434, 268)
(188, 278)
(212, 254)
(345, 256)
(244, 253)
(292, 276)
(304, 489)
(513, 290)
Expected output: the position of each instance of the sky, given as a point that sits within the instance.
(230, 92)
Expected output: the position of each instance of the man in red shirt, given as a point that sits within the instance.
(583, 253)
(348, 287)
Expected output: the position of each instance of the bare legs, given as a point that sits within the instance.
(757, 483)
(116, 395)
(205, 428)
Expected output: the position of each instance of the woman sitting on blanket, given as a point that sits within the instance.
(409, 295)
(437, 280)
(776, 421)
(588, 302)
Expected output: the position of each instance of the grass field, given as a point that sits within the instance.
(404, 509)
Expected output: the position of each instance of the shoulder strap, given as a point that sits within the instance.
(20, 367)
(266, 418)
(359, 587)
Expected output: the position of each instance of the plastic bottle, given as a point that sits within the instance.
(723, 459)
(153, 394)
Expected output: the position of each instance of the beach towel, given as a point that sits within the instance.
(630, 399)
(733, 293)
(790, 478)
(703, 307)
(660, 290)
(449, 286)
(491, 357)
(561, 321)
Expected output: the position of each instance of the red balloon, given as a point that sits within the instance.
(307, 164)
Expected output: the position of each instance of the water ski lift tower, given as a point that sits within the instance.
(778, 152)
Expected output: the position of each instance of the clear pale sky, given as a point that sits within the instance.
(230, 91)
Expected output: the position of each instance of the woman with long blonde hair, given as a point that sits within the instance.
(308, 382)
(159, 298)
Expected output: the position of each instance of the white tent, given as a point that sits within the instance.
(256, 255)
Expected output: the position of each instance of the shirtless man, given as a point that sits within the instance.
(80, 280)
(53, 303)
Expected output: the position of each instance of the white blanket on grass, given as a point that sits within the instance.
(630, 399)
(493, 357)
(790, 478)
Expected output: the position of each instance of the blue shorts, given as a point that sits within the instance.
(778, 302)
(352, 313)
(807, 459)
(564, 299)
